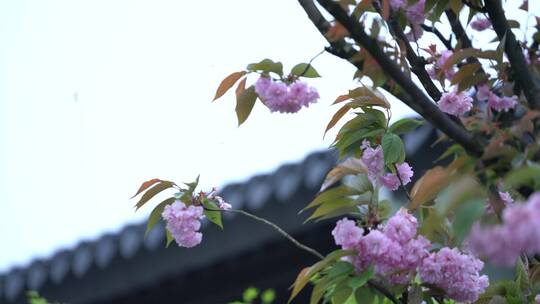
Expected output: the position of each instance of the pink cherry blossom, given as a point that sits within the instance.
(397, 4)
(520, 232)
(480, 24)
(347, 234)
(482, 93)
(390, 181)
(401, 227)
(455, 272)
(373, 158)
(183, 223)
(455, 103)
(283, 98)
(504, 103)
(415, 12)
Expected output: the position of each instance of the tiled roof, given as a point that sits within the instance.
(251, 195)
(280, 186)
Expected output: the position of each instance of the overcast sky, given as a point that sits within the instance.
(98, 96)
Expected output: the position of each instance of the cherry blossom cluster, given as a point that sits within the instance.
(184, 223)
(393, 251)
(285, 98)
(397, 253)
(455, 272)
(520, 232)
(495, 102)
(373, 158)
(455, 103)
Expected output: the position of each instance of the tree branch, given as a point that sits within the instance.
(417, 63)
(458, 29)
(473, 6)
(530, 86)
(340, 48)
(418, 101)
(447, 42)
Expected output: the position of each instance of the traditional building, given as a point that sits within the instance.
(125, 267)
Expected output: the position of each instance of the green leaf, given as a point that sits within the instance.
(169, 236)
(245, 103)
(522, 275)
(187, 194)
(150, 193)
(364, 295)
(342, 292)
(405, 125)
(268, 66)
(361, 279)
(377, 115)
(394, 151)
(250, 294)
(341, 268)
(360, 183)
(305, 275)
(526, 176)
(305, 70)
(212, 216)
(438, 10)
(332, 207)
(330, 195)
(155, 215)
(465, 215)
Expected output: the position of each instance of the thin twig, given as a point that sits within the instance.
(309, 63)
(461, 36)
(276, 227)
(401, 183)
(418, 64)
(447, 42)
(380, 288)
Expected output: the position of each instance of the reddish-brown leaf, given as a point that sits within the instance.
(349, 166)
(146, 185)
(337, 116)
(427, 187)
(148, 195)
(341, 98)
(227, 83)
(241, 87)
